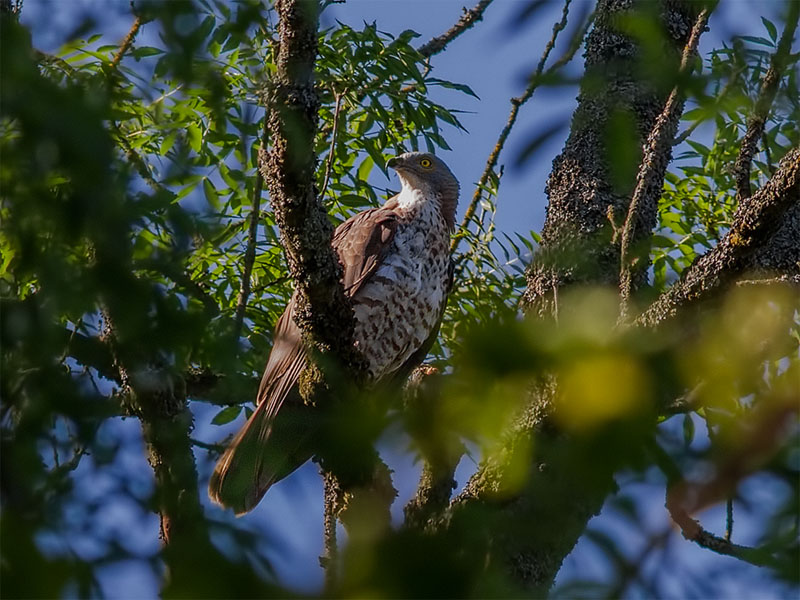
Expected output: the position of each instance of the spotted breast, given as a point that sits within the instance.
(400, 305)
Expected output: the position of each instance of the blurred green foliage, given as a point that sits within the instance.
(129, 187)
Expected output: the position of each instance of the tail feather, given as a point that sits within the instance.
(264, 452)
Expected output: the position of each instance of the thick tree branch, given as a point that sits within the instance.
(323, 312)
(650, 179)
(576, 248)
(766, 96)
(516, 104)
(585, 185)
(158, 400)
(467, 21)
(754, 225)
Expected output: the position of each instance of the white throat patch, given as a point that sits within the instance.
(411, 197)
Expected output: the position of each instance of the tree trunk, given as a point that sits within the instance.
(589, 191)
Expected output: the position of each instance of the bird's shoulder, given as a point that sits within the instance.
(363, 241)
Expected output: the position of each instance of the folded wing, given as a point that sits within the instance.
(276, 439)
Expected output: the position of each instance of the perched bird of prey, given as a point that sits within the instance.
(397, 273)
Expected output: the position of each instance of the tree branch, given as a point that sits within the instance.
(575, 249)
(766, 96)
(441, 449)
(331, 153)
(127, 42)
(323, 312)
(250, 249)
(582, 188)
(692, 530)
(516, 103)
(158, 400)
(332, 499)
(467, 21)
(754, 224)
(650, 179)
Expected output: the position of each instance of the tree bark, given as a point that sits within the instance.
(589, 194)
(588, 198)
(763, 237)
(323, 312)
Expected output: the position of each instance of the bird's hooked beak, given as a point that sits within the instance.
(394, 162)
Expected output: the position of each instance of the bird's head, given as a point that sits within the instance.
(429, 174)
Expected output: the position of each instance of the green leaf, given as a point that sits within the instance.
(143, 51)
(210, 193)
(453, 86)
(365, 169)
(226, 415)
(351, 200)
(195, 137)
(167, 143)
(771, 29)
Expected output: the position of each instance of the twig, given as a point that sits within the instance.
(516, 103)
(467, 20)
(729, 519)
(767, 152)
(71, 464)
(329, 163)
(766, 96)
(250, 249)
(787, 280)
(218, 448)
(692, 530)
(679, 139)
(657, 152)
(137, 160)
(686, 403)
(127, 42)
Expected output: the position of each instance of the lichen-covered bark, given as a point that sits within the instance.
(158, 399)
(588, 194)
(763, 237)
(323, 312)
(540, 525)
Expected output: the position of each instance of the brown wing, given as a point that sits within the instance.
(272, 445)
(361, 243)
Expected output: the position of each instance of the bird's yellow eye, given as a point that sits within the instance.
(425, 163)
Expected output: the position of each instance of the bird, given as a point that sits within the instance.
(397, 273)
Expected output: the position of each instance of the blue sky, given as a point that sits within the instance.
(493, 59)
